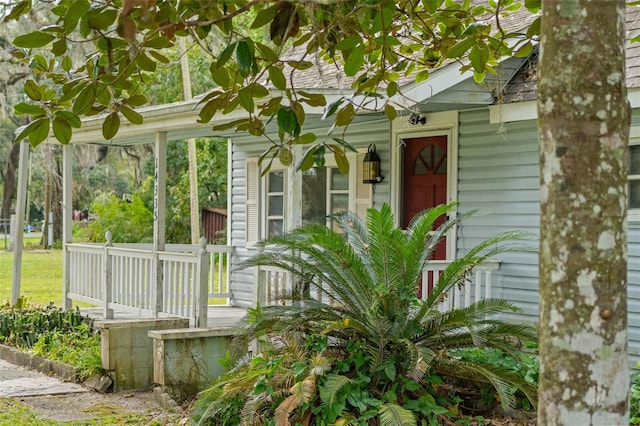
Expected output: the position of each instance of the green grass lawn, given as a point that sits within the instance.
(41, 276)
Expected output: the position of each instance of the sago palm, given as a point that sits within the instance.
(361, 285)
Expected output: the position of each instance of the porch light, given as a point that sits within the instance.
(371, 166)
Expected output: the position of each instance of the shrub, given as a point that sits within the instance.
(379, 355)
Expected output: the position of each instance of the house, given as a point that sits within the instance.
(462, 142)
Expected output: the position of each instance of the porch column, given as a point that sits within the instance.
(67, 220)
(23, 175)
(159, 213)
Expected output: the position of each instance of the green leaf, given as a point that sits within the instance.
(524, 51)
(132, 116)
(111, 125)
(390, 112)
(287, 119)
(226, 54)
(67, 63)
(246, 99)
(35, 130)
(390, 371)
(305, 139)
(332, 108)
(76, 11)
(159, 57)
(478, 77)
(349, 43)
(219, 75)
(341, 161)
(145, 63)
(395, 415)
(62, 130)
(354, 61)
(392, 88)
(345, 115)
(460, 48)
(264, 17)
(307, 160)
(104, 19)
(32, 90)
(33, 40)
(479, 56)
(70, 118)
(267, 52)
(422, 76)
(276, 76)
(534, 28)
(24, 108)
(244, 58)
(137, 100)
(18, 10)
(313, 99)
(157, 43)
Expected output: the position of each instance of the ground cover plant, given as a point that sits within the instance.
(54, 333)
(369, 352)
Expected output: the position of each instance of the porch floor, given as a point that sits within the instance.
(217, 316)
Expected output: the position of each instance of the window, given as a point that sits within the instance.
(275, 202)
(322, 191)
(325, 191)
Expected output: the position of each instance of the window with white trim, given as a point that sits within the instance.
(324, 191)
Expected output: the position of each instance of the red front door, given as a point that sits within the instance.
(425, 181)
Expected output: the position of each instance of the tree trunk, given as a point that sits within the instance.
(583, 128)
(9, 183)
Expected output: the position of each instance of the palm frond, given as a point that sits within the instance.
(394, 415)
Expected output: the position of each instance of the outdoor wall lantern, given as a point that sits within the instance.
(371, 166)
(415, 119)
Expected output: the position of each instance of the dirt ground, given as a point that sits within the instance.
(91, 405)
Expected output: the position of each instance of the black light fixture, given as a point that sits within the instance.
(371, 166)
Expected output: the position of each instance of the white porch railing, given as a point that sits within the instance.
(274, 284)
(178, 281)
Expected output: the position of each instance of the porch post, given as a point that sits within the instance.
(67, 224)
(159, 215)
(23, 173)
(202, 288)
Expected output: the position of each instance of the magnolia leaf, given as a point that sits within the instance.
(276, 76)
(306, 138)
(37, 131)
(246, 99)
(219, 75)
(24, 108)
(137, 100)
(345, 115)
(460, 48)
(390, 112)
(479, 56)
(62, 130)
(307, 160)
(345, 144)
(18, 10)
(33, 40)
(157, 43)
(226, 54)
(285, 156)
(159, 57)
(32, 90)
(67, 63)
(392, 88)
(132, 116)
(59, 47)
(332, 108)
(145, 63)
(421, 76)
(287, 120)
(354, 61)
(267, 53)
(349, 43)
(341, 161)
(318, 155)
(264, 17)
(524, 51)
(244, 58)
(478, 77)
(104, 19)
(534, 28)
(111, 125)
(69, 117)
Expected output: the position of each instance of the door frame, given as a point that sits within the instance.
(437, 124)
